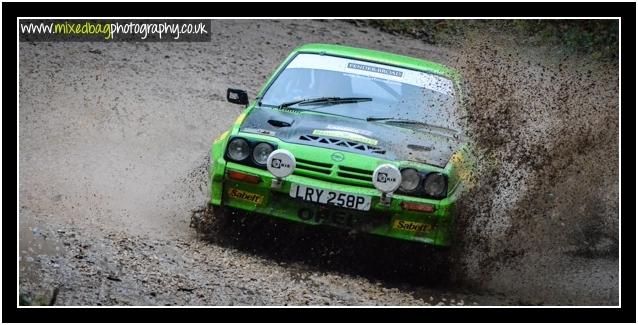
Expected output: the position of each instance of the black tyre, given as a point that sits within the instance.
(210, 220)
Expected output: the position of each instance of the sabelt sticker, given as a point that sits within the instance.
(281, 163)
(386, 178)
(411, 226)
(246, 196)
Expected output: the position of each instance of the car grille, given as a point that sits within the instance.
(334, 173)
(343, 144)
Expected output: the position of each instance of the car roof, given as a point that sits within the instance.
(379, 57)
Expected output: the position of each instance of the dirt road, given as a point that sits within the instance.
(113, 141)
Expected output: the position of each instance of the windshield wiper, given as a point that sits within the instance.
(394, 120)
(326, 100)
(405, 121)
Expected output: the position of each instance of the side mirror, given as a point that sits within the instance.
(237, 96)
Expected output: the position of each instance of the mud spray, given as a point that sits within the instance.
(542, 224)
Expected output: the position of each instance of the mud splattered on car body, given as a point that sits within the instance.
(353, 159)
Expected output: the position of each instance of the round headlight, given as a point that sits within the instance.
(434, 184)
(386, 178)
(281, 163)
(410, 180)
(238, 149)
(261, 152)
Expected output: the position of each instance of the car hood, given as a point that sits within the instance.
(353, 135)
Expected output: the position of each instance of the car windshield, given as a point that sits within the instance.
(395, 93)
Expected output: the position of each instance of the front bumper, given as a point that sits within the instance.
(391, 221)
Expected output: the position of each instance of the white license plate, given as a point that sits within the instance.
(336, 198)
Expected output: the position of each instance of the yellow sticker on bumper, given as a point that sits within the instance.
(245, 196)
(411, 226)
(346, 135)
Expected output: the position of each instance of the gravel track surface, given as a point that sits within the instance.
(113, 153)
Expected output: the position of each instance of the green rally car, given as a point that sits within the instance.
(353, 138)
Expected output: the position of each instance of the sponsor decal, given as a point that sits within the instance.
(245, 196)
(276, 163)
(348, 129)
(384, 178)
(411, 226)
(346, 135)
(371, 68)
(259, 131)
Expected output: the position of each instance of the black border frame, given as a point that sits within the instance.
(626, 313)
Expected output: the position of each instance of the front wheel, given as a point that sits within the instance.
(209, 219)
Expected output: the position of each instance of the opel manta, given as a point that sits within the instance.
(348, 137)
